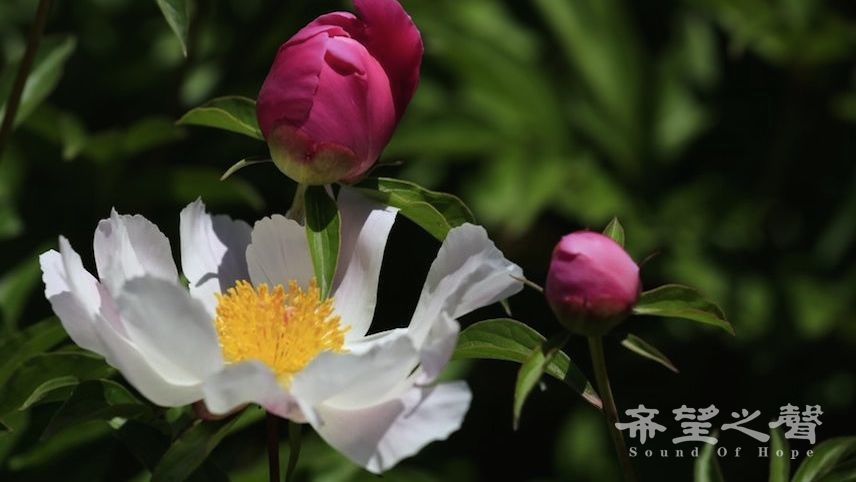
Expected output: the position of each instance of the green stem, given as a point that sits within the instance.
(14, 101)
(605, 391)
(273, 446)
(297, 211)
(295, 440)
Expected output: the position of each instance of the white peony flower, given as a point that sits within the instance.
(251, 328)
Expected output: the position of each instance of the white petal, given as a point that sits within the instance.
(127, 247)
(249, 382)
(365, 229)
(438, 348)
(468, 273)
(378, 437)
(89, 315)
(213, 252)
(148, 379)
(279, 253)
(171, 329)
(73, 294)
(365, 375)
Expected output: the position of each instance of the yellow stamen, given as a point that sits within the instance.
(284, 329)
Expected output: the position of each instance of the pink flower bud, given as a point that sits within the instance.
(592, 284)
(337, 90)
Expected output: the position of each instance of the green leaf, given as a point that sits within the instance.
(190, 450)
(707, 467)
(242, 164)
(43, 454)
(16, 425)
(177, 15)
(15, 289)
(435, 212)
(676, 301)
(323, 230)
(40, 375)
(60, 127)
(17, 348)
(511, 340)
(833, 460)
(615, 231)
(533, 368)
(43, 79)
(96, 400)
(232, 113)
(780, 467)
(646, 350)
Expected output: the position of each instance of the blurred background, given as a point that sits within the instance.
(721, 132)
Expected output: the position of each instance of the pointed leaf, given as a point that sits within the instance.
(676, 301)
(323, 230)
(533, 368)
(17, 348)
(435, 212)
(177, 15)
(45, 373)
(148, 444)
(96, 400)
(834, 459)
(231, 113)
(615, 231)
(646, 350)
(43, 79)
(16, 286)
(707, 467)
(780, 467)
(510, 340)
(190, 450)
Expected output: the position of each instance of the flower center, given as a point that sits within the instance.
(283, 328)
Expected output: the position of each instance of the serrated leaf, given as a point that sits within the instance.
(177, 15)
(780, 467)
(191, 449)
(533, 368)
(677, 301)
(242, 164)
(707, 467)
(96, 400)
(47, 372)
(323, 230)
(43, 79)
(17, 348)
(615, 231)
(833, 460)
(435, 212)
(646, 350)
(231, 113)
(511, 340)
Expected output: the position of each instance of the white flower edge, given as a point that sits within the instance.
(376, 403)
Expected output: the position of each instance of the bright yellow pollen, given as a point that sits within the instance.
(284, 329)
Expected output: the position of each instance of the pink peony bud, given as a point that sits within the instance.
(337, 90)
(592, 284)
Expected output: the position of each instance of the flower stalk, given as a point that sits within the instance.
(295, 440)
(297, 211)
(605, 390)
(14, 101)
(273, 446)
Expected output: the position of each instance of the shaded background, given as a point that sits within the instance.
(720, 132)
